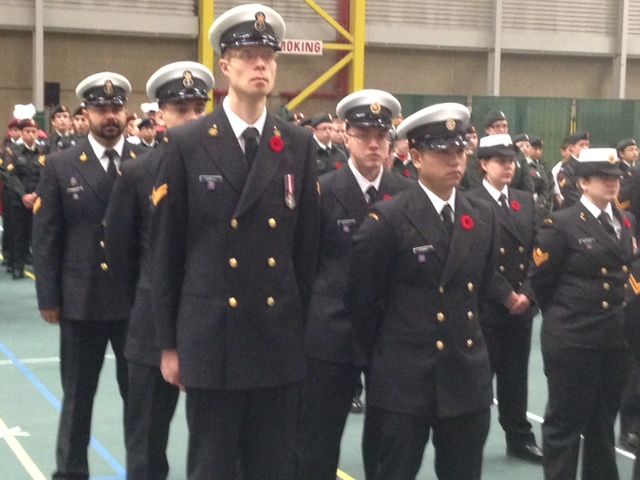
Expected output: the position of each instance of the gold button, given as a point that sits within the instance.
(521, 266)
(104, 267)
(625, 269)
(271, 301)
(234, 223)
(233, 303)
(440, 345)
(605, 305)
(603, 271)
(521, 249)
(470, 315)
(469, 343)
(272, 223)
(606, 286)
(101, 243)
(271, 262)
(441, 289)
(501, 268)
(233, 263)
(502, 251)
(440, 316)
(470, 286)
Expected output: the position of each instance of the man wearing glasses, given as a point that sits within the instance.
(334, 360)
(234, 240)
(328, 157)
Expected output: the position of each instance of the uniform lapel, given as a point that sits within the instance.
(422, 214)
(265, 165)
(592, 226)
(461, 239)
(506, 221)
(349, 195)
(90, 169)
(223, 148)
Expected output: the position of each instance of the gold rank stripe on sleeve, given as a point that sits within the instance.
(42, 160)
(159, 193)
(540, 257)
(623, 205)
(37, 206)
(635, 285)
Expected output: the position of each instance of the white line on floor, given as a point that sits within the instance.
(24, 458)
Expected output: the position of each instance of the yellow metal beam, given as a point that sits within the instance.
(337, 46)
(318, 82)
(330, 20)
(357, 16)
(205, 51)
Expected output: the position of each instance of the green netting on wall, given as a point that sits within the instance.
(608, 121)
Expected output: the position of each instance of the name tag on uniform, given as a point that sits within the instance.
(346, 223)
(422, 251)
(75, 191)
(210, 180)
(587, 242)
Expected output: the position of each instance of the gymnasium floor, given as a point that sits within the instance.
(30, 396)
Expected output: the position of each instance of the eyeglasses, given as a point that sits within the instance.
(366, 138)
(251, 55)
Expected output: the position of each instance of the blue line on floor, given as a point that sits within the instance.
(55, 403)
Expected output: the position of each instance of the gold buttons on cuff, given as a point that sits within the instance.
(606, 286)
(234, 223)
(440, 345)
(104, 267)
(603, 271)
(470, 315)
(271, 301)
(233, 303)
(470, 286)
(605, 305)
(469, 343)
(272, 223)
(625, 269)
(440, 289)
(440, 316)
(233, 263)
(521, 249)
(501, 268)
(271, 262)
(101, 243)
(502, 251)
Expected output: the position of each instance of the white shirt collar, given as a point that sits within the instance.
(437, 202)
(595, 211)
(363, 183)
(494, 192)
(99, 149)
(320, 144)
(238, 125)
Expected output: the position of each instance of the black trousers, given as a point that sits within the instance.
(248, 434)
(400, 441)
(82, 348)
(327, 394)
(151, 403)
(630, 406)
(585, 386)
(509, 345)
(21, 219)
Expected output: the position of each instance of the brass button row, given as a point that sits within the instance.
(233, 262)
(233, 302)
(441, 346)
(271, 222)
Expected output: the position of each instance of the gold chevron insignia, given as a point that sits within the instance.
(540, 257)
(635, 285)
(623, 205)
(37, 205)
(159, 193)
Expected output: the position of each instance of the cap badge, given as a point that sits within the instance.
(612, 159)
(108, 87)
(259, 25)
(450, 124)
(375, 108)
(187, 79)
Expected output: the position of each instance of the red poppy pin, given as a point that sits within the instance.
(276, 144)
(338, 165)
(406, 173)
(627, 223)
(466, 222)
(515, 205)
(386, 197)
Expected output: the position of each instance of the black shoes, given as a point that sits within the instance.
(526, 451)
(629, 441)
(17, 273)
(356, 405)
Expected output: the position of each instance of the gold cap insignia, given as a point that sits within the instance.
(612, 159)
(375, 108)
(37, 205)
(159, 193)
(450, 124)
(108, 87)
(83, 157)
(260, 21)
(374, 216)
(187, 79)
(213, 131)
(42, 160)
(540, 257)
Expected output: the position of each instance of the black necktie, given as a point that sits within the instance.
(112, 171)
(447, 218)
(504, 204)
(372, 193)
(250, 136)
(605, 220)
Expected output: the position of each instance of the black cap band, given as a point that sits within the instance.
(246, 35)
(98, 96)
(369, 116)
(439, 136)
(175, 90)
(598, 169)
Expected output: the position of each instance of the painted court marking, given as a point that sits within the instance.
(9, 436)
